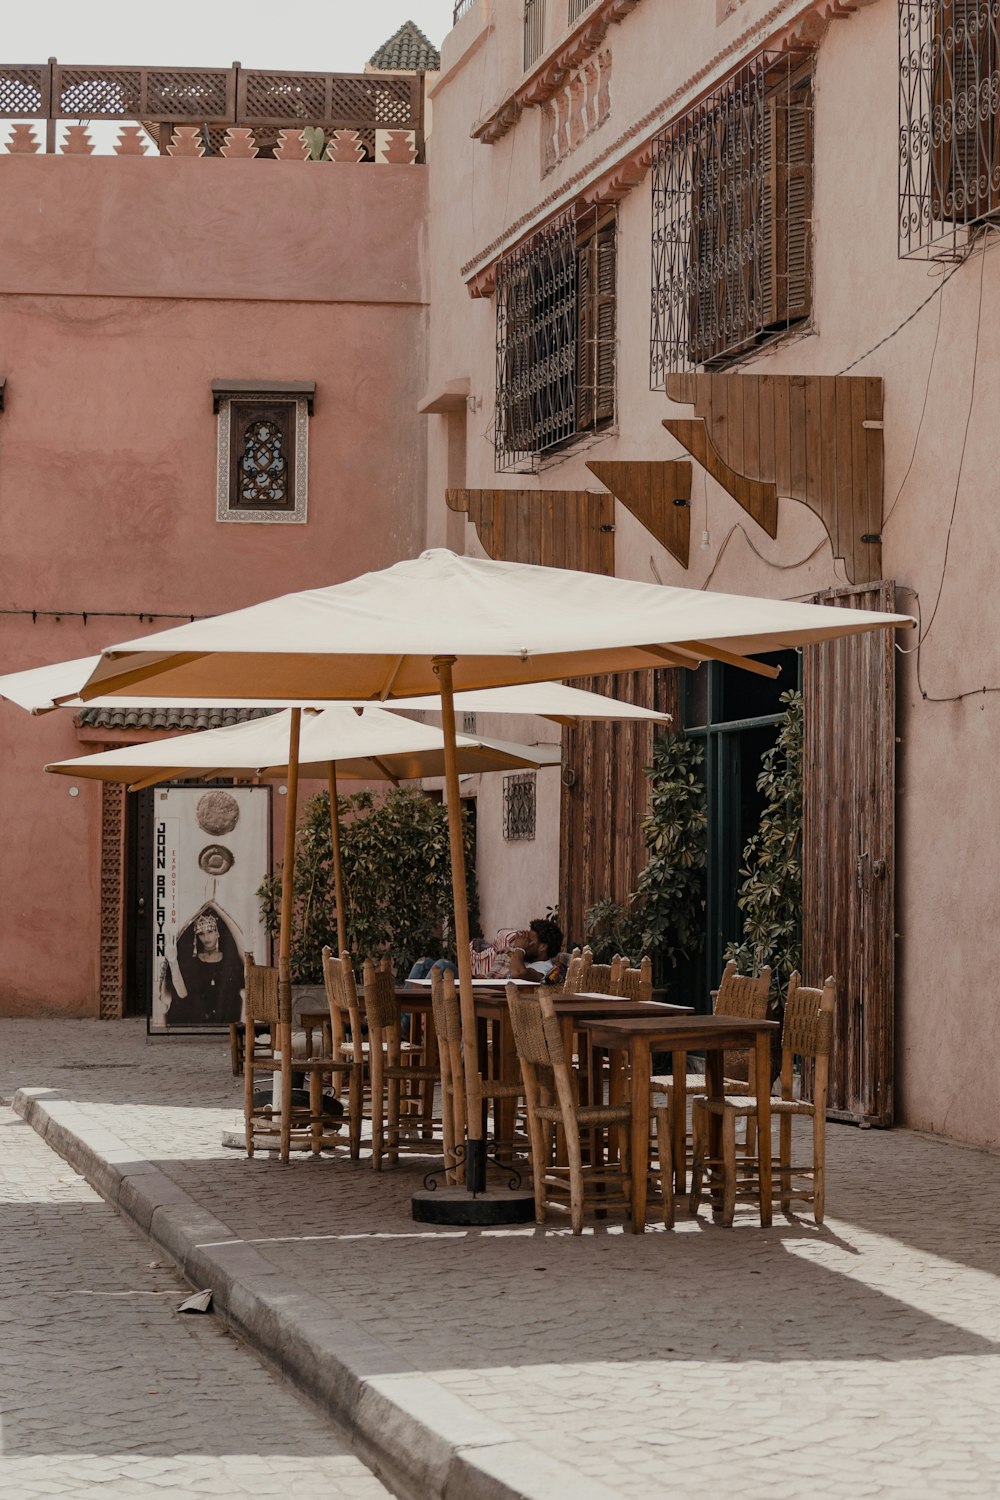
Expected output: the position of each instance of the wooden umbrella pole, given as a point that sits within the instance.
(285, 931)
(475, 1151)
(338, 866)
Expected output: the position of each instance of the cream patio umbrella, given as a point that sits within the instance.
(341, 743)
(440, 622)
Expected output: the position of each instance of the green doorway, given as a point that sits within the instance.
(735, 714)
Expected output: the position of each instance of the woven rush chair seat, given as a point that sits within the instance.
(605, 1178)
(390, 1068)
(807, 1033)
(448, 1025)
(307, 1126)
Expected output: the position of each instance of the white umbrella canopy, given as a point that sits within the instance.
(335, 744)
(39, 690)
(545, 700)
(372, 745)
(377, 636)
(440, 622)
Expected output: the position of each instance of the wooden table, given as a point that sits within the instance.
(573, 1012)
(713, 1035)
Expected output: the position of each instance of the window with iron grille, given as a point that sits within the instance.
(534, 31)
(949, 123)
(519, 806)
(732, 211)
(556, 336)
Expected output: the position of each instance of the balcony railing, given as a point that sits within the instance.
(577, 8)
(534, 31)
(462, 8)
(214, 100)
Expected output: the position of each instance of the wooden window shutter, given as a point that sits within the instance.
(704, 293)
(965, 170)
(786, 208)
(605, 320)
(586, 372)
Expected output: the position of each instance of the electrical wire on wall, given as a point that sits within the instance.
(145, 617)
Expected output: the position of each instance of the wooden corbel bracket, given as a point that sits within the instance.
(814, 438)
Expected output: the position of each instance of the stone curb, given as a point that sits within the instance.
(423, 1441)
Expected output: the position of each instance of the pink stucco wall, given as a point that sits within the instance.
(126, 287)
(942, 384)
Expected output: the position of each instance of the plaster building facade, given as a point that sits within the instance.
(692, 292)
(719, 276)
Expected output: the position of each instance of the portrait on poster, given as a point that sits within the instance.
(210, 856)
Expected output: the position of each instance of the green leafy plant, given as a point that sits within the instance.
(664, 916)
(771, 892)
(397, 881)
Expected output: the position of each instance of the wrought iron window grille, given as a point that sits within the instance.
(519, 806)
(534, 31)
(468, 723)
(556, 336)
(949, 124)
(576, 9)
(732, 218)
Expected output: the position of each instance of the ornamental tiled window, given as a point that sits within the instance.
(556, 336)
(262, 450)
(732, 218)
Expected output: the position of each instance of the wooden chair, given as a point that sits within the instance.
(807, 1033)
(738, 995)
(237, 1044)
(574, 1187)
(595, 979)
(571, 983)
(390, 1068)
(632, 984)
(307, 1125)
(448, 1025)
(351, 1061)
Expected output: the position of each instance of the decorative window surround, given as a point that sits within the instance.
(579, 108)
(550, 75)
(623, 164)
(229, 396)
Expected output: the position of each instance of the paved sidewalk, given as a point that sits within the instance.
(105, 1388)
(860, 1359)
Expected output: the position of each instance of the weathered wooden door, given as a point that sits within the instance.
(848, 927)
(605, 796)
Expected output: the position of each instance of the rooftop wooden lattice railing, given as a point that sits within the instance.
(214, 101)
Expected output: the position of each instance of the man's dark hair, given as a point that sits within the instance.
(548, 933)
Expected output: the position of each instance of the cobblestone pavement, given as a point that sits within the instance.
(106, 1389)
(860, 1359)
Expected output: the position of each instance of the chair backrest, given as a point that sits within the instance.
(381, 1007)
(595, 979)
(571, 984)
(742, 994)
(807, 1028)
(629, 983)
(444, 1001)
(341, 992)
(537, 1033)
(261, 984)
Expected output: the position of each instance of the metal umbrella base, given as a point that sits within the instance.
(457, 1206)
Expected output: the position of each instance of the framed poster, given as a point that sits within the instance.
(211, 852)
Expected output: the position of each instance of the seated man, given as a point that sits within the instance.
(534, 952)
